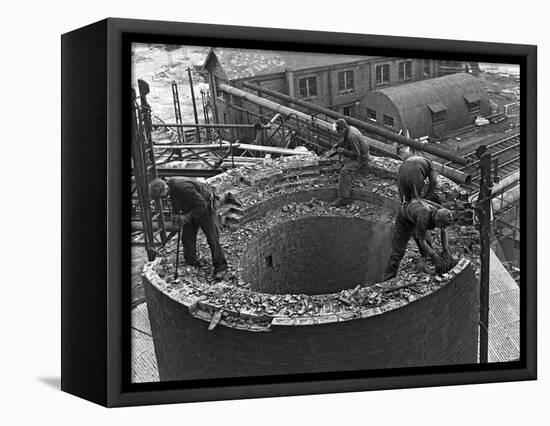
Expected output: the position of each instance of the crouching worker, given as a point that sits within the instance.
(416, 218)
(193, 206)
(356, 150)
(411, 179)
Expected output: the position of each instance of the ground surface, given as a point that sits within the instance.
(159, 67)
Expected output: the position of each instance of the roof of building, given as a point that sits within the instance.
(242, 63)
(416, 101)
(444, 90)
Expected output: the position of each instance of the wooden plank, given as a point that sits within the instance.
(503, 313)
(270, 149)
(144, 362)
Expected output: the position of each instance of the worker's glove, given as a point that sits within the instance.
(439, 264)
(449, 259)
(433, 197)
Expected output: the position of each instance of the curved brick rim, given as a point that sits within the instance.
(203, 329)
(278, 194)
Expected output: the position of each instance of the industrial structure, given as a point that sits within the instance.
(267, 121)
(335, 81)
(428, 108)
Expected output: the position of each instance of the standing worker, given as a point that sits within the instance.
(411, 178)
(193, 206)
(354, 147)
(417, 217)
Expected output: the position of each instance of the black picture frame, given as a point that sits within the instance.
(95, 173)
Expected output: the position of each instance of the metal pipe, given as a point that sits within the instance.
(506, 200)
(209, 126)
(419, 146)
(284, 111)
(453, 174)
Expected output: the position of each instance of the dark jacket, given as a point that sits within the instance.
(355, 145)
(190, 196)
(421, 214)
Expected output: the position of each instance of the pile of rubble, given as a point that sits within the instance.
(232, 302)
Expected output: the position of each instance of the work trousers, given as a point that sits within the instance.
(349, 171)
(403, 230)
(208, 223)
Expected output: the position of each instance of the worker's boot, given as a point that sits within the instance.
(219, 275)
(197, 261)
(340, 202)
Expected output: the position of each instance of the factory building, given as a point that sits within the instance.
(428, 108)
(334, 81)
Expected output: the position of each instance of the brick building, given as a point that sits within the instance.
(334, 81)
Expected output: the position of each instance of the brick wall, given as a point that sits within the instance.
(318, 255)
(438, 329)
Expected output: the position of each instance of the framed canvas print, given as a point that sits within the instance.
(273, 212)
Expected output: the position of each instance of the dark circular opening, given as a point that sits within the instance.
(318, 255)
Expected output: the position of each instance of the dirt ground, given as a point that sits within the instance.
(160, 65)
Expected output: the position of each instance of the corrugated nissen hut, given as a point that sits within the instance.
(428, 108)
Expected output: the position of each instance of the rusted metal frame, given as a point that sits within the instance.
(177, 111)
(205, 101)
(146, 148)
(139, 167)
(197, 134)
(483, 208)
(508, 148)
(491, 145)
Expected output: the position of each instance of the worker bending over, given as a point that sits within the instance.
(354, 147)
(411, 179)
(417, 217)
(193, 207)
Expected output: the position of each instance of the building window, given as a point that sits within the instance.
(388, 121)
(473, 101)
(307, 87)
(439, 113)
(345, 81)
(474, 107)
(382, 74)
(427, 71)
(371, 114)
(347, 110)
(439, 117)
(405, 70)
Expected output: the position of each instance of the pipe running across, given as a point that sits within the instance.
(439, 152)
(449, 172)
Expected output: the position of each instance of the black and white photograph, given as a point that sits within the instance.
(300, 212)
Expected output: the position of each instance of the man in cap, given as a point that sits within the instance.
(411, 178)
(416, 218)
(194, 208)
(354, 147)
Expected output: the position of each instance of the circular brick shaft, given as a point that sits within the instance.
(303, 293)
(317, 255)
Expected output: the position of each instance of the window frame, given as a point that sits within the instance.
(372, 111)
(403, 66)
(308, 87)
(381, 67)
(346, 80)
